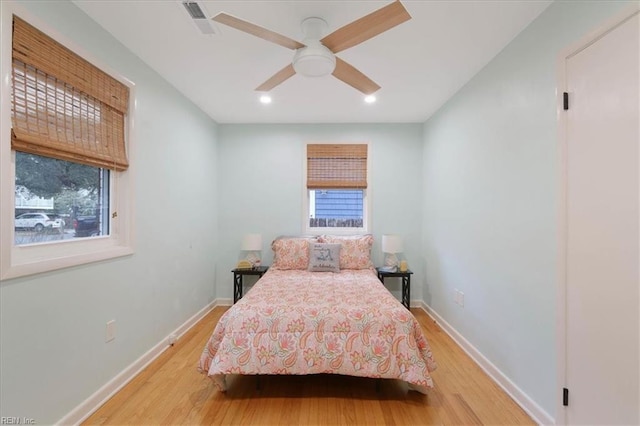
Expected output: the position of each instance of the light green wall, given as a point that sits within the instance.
(52, 326)
(490, 201)
(261, 186)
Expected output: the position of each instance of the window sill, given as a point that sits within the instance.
(29, 265)
(336, 231)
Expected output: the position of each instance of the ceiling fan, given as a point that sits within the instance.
(315, 56)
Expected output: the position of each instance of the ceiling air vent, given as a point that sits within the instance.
(199, 18)
(194, 10)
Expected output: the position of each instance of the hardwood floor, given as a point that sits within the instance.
(171, 391)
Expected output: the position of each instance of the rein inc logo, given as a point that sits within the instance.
(17, 421)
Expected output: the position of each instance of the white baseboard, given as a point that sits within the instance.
(102, 395)
(536, 412)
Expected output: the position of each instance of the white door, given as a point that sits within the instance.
(602, 229)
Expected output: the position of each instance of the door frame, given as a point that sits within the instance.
(561, 294)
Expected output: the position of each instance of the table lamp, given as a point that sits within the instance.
(391, 245)
(252, 244)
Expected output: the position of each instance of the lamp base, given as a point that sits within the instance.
(253, 258)
(391, 260)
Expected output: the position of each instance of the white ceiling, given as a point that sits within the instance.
(419, 64)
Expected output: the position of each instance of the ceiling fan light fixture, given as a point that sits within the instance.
(265, 99)
(314, 61)
(370, 99)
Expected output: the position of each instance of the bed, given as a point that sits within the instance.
(295, 321)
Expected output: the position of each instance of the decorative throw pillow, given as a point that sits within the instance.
(324, 257)
(355, 252)
(290, 253)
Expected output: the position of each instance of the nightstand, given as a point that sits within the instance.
(238, 275)
(406, 283)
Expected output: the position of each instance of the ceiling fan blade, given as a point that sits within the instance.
(366, 27)
(354, 78)
(277, 78)
(257, 31)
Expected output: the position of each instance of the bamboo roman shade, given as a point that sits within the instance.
(63, 106)
(336, 166)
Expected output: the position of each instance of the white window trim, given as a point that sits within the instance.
(17, 261)
(366, 200)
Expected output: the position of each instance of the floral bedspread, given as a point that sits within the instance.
(299, 322)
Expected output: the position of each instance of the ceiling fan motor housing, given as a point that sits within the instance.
(314, 60)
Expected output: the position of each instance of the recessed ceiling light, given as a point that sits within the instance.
(265, 99)
(370, 99)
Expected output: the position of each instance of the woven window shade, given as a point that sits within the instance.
(336, 166)
(62, 105)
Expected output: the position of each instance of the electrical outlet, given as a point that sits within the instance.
(458, 297)
(111, 331)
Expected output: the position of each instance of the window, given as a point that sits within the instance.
(336, 188)
(76, 193)
(67, 156)
(336, 208)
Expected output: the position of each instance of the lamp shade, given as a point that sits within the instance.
(391, 244)
(252, 242)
